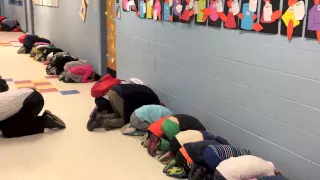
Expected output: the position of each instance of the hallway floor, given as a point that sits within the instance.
(74, 153)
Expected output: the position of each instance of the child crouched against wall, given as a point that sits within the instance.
(78, 72)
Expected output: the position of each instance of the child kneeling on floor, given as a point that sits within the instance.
(19, 111)
(79, 72)
(143, 117)
(124, 99)
(8, 24)
(163, 131)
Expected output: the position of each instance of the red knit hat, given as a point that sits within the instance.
(21, 38)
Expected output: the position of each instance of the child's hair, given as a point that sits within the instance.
(96, 77)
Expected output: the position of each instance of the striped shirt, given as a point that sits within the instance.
(12, 101)
(226, 151)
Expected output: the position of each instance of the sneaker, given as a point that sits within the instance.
(153, 145)
(177, 172)
(93, 124)
(52, 121)
(94, 113)
(166, 158)
(144, 140)
(169, 166)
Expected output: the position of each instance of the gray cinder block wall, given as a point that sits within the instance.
(259, 91)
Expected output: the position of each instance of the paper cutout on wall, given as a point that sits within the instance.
(176, 8)
(203, 13)
(312, 29)
(118, 10)
(216, 7)
(292, 18)
(248, 16)
(187, 12)
(124, 5)
(48, 3)
(231, 9)
(167, 10)
(129, 5)
(149, 8)
(135, 7)
(142, 9)
(269, 16)
(157, 10)
(83, 10)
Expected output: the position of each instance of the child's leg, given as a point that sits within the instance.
(117, 103)
(138, 123)
(114, 123)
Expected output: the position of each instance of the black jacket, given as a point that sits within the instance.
(30, 40)
(3, 86)
(135, 96)
(187, 122)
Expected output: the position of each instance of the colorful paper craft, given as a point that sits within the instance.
(292, 18)
(269, 16)
(312, 29)
(157, 10)
(248, 16)
(231, 9)
(203, 13)
(177, 8)
(167, 10)
(187, 11)
(83, 10)
(217, 13)
(134, 7)
(142, 9)
(129, 5)
(149, 8)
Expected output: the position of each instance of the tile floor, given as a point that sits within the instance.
(74, 153)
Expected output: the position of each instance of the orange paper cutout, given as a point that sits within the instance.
(254, 17)
(276, 15)
(229, 3)
(292, 2)
(171, 19)
(257, 27)
(137, 13)
(206, 11)
(240, 15)
(290, 29)
(318, 36)
(318, 32)
(222, 16)
(191, 12)
(204, 18)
